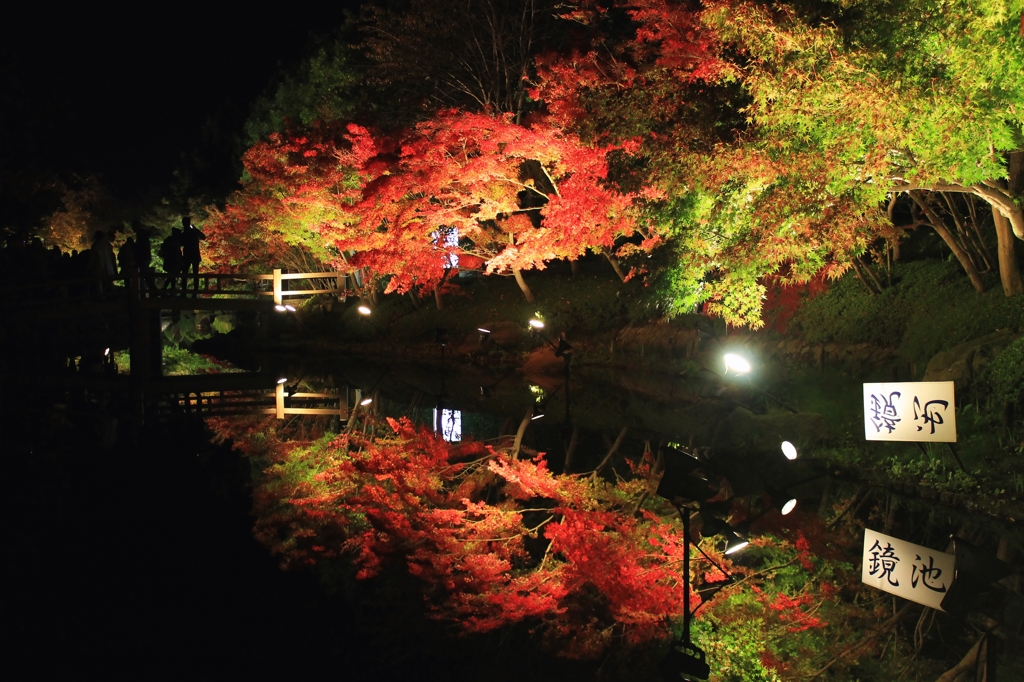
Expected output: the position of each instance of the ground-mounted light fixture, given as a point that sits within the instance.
(737, 363)
(789, 450)
(536, 323)
(711, 525)
(484, 335)
(782, 499)
(282, 380)
(364, 310)
(734, 542)
(538, 412)
(365, 401)
(973, 575)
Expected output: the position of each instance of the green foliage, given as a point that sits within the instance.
(321, 88)
(734, 648)
(930, 308)
(1006, 373)
(123, 360)
(180, 361)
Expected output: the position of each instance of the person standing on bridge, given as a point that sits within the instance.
(170, 254)
(190, 239)
(102, 262)
(144, 253)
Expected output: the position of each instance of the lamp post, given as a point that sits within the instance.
(562, 350)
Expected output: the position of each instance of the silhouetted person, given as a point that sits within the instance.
(126, 259)
(144, 253)
(101, 258)
(190, 239)
(170, 253)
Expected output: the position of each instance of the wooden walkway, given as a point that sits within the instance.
(211, 398)
(215, 291)
(100, 310)
(234, 393)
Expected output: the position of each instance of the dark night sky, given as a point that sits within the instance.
(125, 93)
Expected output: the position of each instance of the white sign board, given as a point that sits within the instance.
(450, 425)
(907, 570)
(910, 411)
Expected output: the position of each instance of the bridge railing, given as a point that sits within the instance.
(230, 286)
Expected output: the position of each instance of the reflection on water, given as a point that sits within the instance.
(741, 479)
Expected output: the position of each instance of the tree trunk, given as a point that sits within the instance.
(872, 275)
(575, 266)
(1009, 268)
(569, 451)
(438, 296)
(518, 443)
(611, 453)
(522, 285)
(1016, 188)
(967, 663)
(936, 222)
(615, 264)
(855, 262)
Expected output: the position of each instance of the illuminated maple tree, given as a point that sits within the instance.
(516, 196)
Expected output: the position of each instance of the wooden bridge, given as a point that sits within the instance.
(215, 291)
(223, 394)
(125, 311)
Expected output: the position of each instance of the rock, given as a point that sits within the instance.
(744, 431)
(965, 362)
(505, 334)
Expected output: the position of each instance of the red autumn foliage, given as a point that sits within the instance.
(516, 197)
(783, 299)
(495, 540)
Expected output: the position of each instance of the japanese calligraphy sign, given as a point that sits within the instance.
(910, 411)
(907, 570)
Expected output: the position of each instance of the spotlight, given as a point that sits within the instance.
(677, 480)
(365, 401)
(536, 324)
(736, 363)
(281, 381)
(538, 413)
(280, 308)
(789, 450)
(484, 334)
(106, 352)
(789, 506)
(289, 308)
(364, 310)
(563, 348)
(734, 543)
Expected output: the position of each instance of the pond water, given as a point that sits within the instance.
(141, 551)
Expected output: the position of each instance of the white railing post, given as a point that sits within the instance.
(278, 298)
